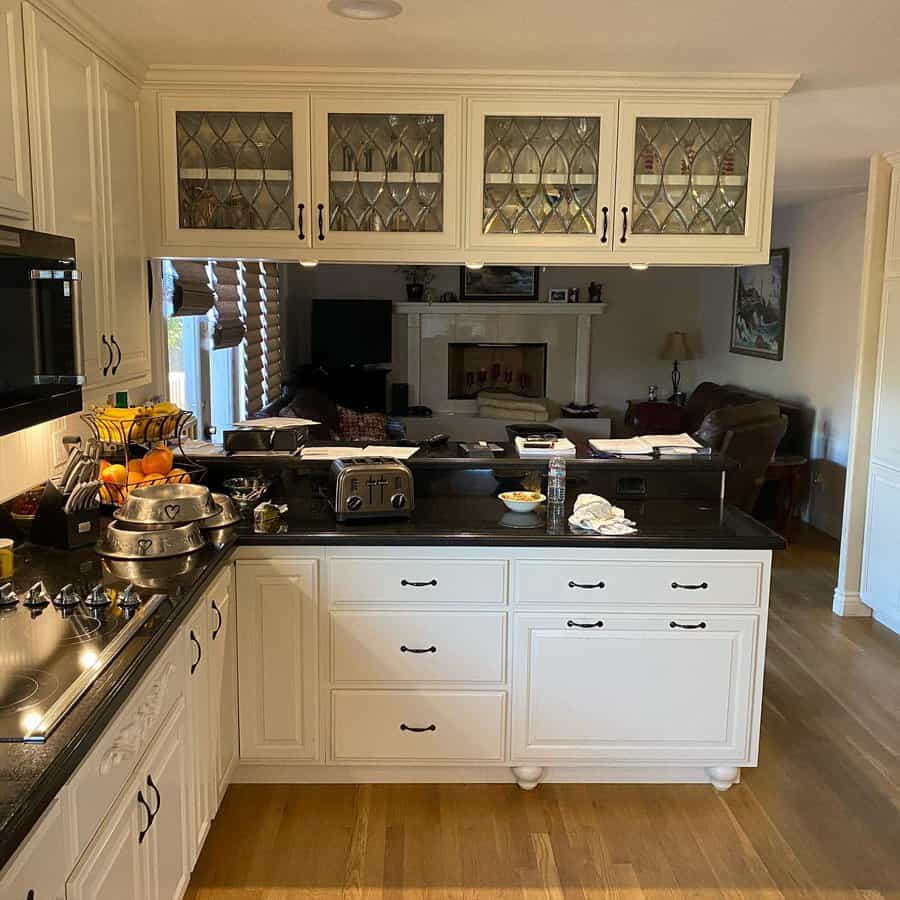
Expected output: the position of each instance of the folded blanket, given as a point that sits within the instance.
(597, 514)
(513, 401)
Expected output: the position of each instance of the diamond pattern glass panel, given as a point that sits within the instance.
(540, 174)
(385, 172)
(690, 176)
(235, 170)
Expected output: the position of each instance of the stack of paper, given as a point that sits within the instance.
(350, 452)
(560, 447)
(275, 422)
(645, 445)
(622, 446)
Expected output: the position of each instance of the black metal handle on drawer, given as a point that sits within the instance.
(687, 627)
(405, 727)
(605, 212)
(155, 789)
(321, 208)
(218, 627)
(624, 237)
(29, 895)
(143, 832)
(432, 583)
(199, 653)
(300, 234)
(118, 362)
(109, 350)
(573, 624)
(405, 649)
(587, 587)
(689, 587)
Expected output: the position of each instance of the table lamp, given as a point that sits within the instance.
(676, 348)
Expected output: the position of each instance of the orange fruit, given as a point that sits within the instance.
(152, 479)
(178, 476)
(158, 461)
(114, 474)
(135, 470)
(104, 464)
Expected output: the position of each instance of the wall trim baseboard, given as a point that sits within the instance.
(849, 603)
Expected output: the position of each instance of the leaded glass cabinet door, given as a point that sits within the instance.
(540, 176)
(236, 173)
(385, 174)
(692, 182)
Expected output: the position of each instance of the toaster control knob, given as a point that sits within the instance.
(354, 503)
(399, 500)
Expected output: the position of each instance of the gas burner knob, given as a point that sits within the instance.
(97, 597)
(36, 597)
(8, 595)
(130, 598)
(399, 500)
(66, 598)
(354, 503)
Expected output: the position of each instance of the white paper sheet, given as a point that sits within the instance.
(671, 440)
(622, 446)
(331, 452)
(393, 452)
(275, 422)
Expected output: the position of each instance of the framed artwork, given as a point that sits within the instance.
(498, 283)
(558, 295)
(760, 305)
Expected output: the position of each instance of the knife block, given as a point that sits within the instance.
(55, 528)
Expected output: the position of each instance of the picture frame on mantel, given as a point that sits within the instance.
(498, 284)
(759, 309)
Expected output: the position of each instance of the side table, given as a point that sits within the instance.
(790, 472)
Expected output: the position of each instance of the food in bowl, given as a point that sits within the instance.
(522, 501)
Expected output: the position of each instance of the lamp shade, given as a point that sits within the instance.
(676, 347)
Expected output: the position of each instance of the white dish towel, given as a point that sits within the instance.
(597, 514)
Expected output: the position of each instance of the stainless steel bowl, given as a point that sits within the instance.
(167, 504)
(228, 514)
(151, 573)
(127, 541)
(246, 492)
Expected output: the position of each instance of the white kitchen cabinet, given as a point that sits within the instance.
(41, 865)
(15, 168)
(589, 685)
(881, 573)
(201, 723)
(223, 681)
(386, 172)
(277, 615)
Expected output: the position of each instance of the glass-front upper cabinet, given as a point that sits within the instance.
(691, 179)
(540, 176)
(385, 173)
(237, 172)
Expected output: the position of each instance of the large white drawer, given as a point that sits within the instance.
(427, 726)
(417, 579)
(418, 646)
(103, 773)
(656, 582)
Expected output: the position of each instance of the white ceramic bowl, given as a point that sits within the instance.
(522, 505)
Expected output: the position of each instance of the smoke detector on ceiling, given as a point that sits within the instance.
(365, 9)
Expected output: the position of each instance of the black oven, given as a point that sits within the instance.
(41, 363)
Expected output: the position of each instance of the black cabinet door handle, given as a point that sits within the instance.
(29, 895)
(689, 587)
(199, 653)
(624, 237)
(321, 208)
(118, 362)
(405, 583)
(605, 212)
(687, 627)
(218, 627)
(405, 727)
(587, 587)
(155, 789)
(573, 624)
(109, 350)
(300, 208)
(405, 649)
(143, 832)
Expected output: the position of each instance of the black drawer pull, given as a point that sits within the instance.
(146, 806)
(218, 627)
(30, 895)
(405, 649)
(689, 587)
(586, 587)
(405, 727)
(573, 624)
(432, 583)
(687, 627)
(199, 653)
(155, 790)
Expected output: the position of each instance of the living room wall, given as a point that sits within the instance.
(826, 242)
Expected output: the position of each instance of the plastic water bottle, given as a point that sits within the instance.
(556, 480)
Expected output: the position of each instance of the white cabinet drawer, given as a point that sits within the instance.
(418, 646)
(651, 582)
(100, 777)
(417, 580)
(41, 864)
(428, 726)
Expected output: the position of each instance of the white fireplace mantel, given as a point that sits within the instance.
(511, 308)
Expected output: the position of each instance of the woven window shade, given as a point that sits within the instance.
(262, 344)
(192, 293)
(229, 328)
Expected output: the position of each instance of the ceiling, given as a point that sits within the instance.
(846, 106)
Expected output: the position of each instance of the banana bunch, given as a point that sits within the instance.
(163, 419)
(136, 424)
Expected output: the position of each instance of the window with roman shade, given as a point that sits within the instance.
(229, 329)
(262, 345)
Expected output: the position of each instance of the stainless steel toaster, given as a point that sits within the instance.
(371, 487)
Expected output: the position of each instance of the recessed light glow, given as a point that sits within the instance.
(475, 266)
(639, 267)
(31, 720)
(309, 263)
(88, 659)
(365, 9)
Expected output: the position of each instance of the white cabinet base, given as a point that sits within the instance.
(528, 777)
(723, 777)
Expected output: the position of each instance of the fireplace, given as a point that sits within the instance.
(520, 368)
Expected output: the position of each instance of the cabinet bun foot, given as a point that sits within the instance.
(723, 777)
(528, 777)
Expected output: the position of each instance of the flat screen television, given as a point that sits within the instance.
(351, 332)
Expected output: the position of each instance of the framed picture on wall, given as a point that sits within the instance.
(760, 306)
(498, 283)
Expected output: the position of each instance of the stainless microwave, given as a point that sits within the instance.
(41, 362)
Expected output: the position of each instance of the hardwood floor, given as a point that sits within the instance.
(820, 817)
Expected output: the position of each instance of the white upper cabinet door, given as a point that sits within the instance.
(235, 174)
(15, 171)
(223, 682)
(120, 159)
(277, 659)
(540, 176)
(694, 181)
(385, 173)
(62, 110)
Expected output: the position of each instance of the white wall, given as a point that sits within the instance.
(826, 241)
